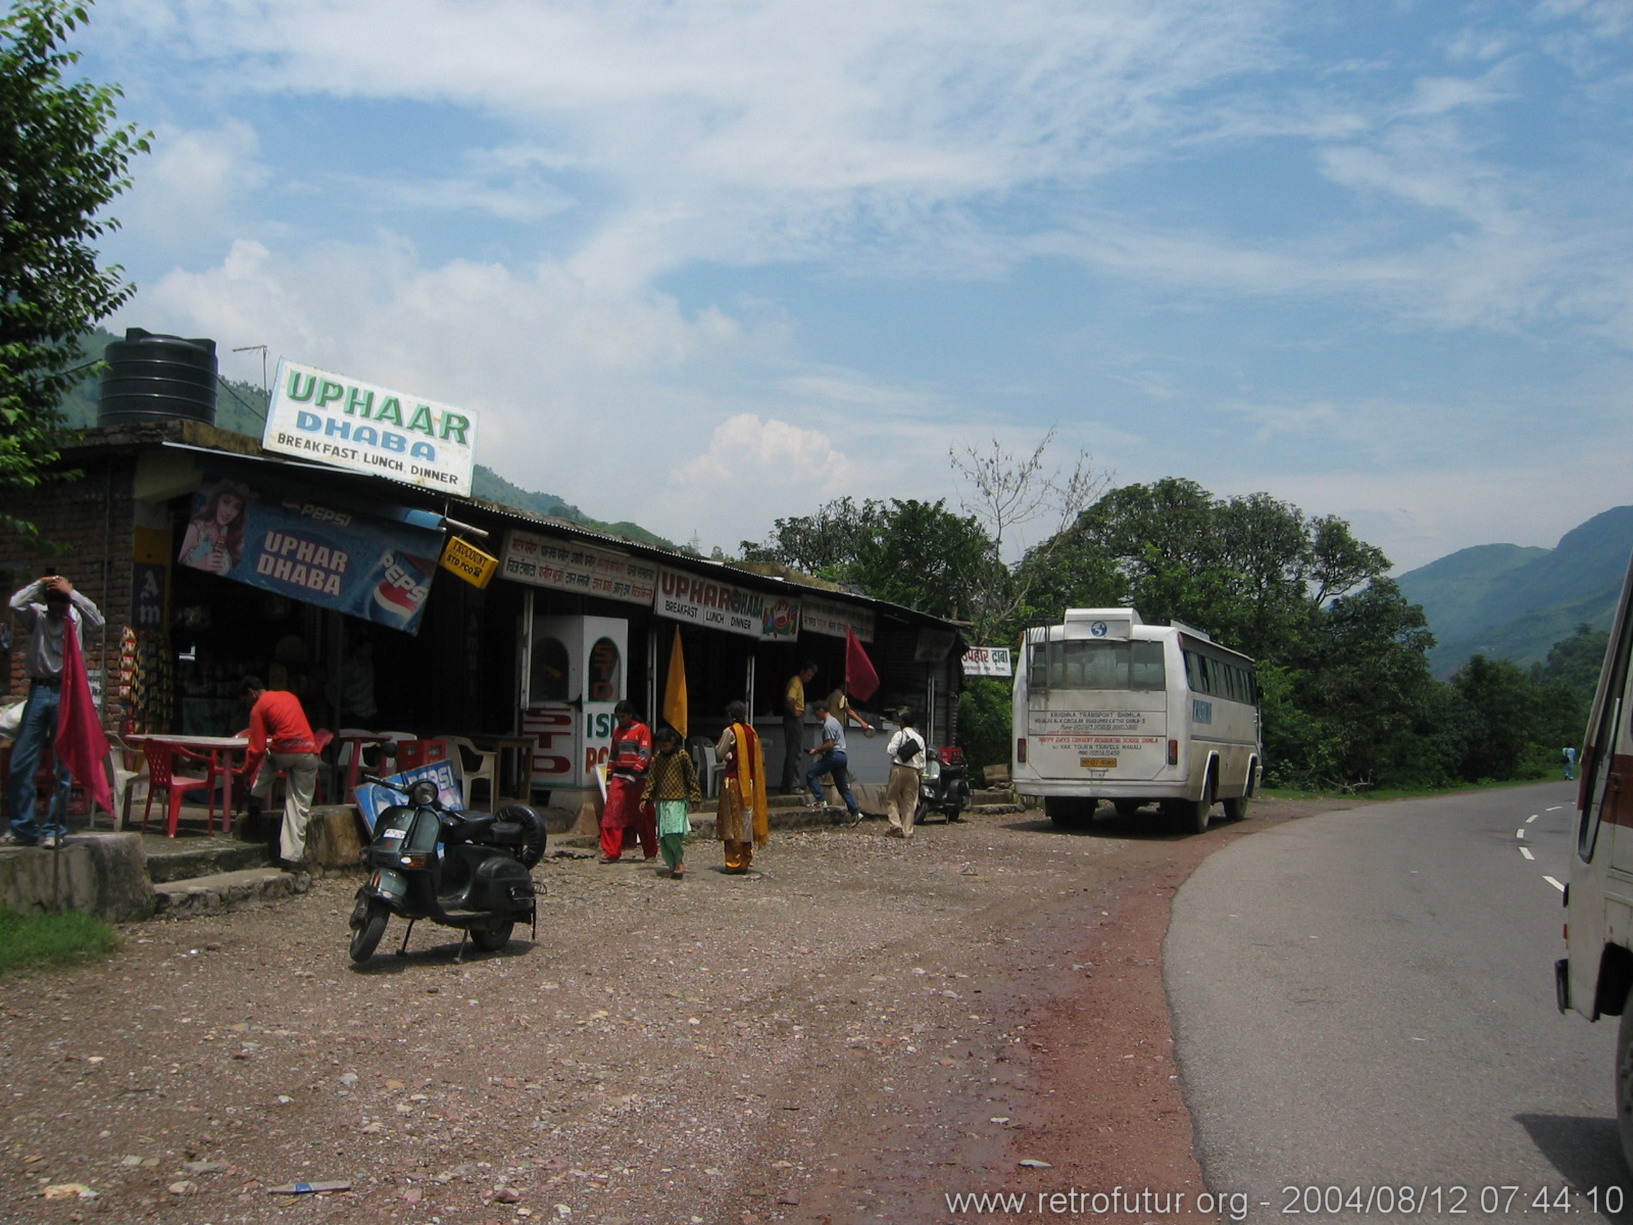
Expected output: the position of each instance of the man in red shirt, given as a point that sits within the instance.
(280, 735)
(628, 761)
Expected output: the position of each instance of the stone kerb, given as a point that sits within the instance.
(105, 876)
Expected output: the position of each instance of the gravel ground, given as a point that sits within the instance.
(859, 1029)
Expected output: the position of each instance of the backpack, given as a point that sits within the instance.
(907, 750)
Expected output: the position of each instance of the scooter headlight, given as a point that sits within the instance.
(423, 794)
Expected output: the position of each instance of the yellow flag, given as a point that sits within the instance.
(674, 689)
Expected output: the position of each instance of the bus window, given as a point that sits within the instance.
(1145, 667)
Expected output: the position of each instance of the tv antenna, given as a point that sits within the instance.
(252, 349)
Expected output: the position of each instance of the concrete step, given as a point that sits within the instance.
(222, 891)
(182, 860)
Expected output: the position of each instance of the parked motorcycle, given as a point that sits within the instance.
(467, 870)
(944, 787)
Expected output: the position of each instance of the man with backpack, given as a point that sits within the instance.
(907, 755)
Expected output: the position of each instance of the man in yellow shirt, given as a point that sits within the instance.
(793, 729)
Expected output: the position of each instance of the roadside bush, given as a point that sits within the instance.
(984, 723)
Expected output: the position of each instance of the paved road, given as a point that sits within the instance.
(1365, 1020)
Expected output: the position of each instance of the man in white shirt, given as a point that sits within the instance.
(907, 756)
(43, 609)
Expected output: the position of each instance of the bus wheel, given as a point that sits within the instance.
(1202, 811)
(1069, 809)
(1624, 1078)
(1236, 808)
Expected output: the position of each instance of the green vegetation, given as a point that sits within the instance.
(38, 941)
(62, 161)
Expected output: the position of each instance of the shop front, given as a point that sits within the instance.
(214, 559)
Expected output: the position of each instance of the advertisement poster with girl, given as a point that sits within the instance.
(316, 553)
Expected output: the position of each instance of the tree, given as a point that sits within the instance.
(1503, 705)
(917, 554)
(1575, 662)
(823, 544)
(62, 161)
(1252, 571)
(1008, 492)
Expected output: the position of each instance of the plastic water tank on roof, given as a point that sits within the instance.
(151, 377)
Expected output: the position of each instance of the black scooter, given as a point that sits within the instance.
(944, 788)
(469, 870)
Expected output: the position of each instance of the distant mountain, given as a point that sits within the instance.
(242, 408)
(1509, 602)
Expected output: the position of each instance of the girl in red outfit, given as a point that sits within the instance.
(627, 763)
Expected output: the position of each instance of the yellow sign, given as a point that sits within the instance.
(470, 563)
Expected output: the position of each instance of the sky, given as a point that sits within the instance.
(704, 264)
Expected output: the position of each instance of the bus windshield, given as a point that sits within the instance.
(1098, 664)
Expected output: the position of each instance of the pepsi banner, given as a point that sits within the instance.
(320, 554)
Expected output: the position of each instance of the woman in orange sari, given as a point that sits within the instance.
(742, 821)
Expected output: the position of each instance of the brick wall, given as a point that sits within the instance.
(87, 523)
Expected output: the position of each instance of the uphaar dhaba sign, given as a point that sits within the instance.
(337, 420)
(723, 606)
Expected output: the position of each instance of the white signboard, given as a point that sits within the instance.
(820, 616)
(987, 661)
(724, 606)
(548, 561)
(337, 420)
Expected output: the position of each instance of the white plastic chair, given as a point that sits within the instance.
(473, 766)
(124, 781)
(709, 770)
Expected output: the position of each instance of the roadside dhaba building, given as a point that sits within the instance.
(342, 556)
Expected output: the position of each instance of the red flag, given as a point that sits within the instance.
(82, 745)
(860, 678)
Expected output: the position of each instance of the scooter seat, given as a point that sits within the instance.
(472, 824)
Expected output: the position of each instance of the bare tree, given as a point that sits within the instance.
(1007, 491)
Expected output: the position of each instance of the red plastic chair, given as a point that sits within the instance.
(415, 753)
(161, 766)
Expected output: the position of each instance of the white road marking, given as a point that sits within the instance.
(1556, 808)
(1531, 818)
(1526, 851)
(1554, 883)
(1520, 832)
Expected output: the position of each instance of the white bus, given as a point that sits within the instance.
(1595, 978)
(1106, 707)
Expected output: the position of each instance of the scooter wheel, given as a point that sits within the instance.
(367, 937)
(492, 938)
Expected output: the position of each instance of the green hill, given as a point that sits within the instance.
(242, 408)
(1509, 602)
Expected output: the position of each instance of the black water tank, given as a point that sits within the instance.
(157, 378)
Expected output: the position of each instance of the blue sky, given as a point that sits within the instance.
(706, 263)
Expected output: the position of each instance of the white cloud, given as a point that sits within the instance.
(191, 187)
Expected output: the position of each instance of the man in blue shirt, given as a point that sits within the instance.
(831, 759)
